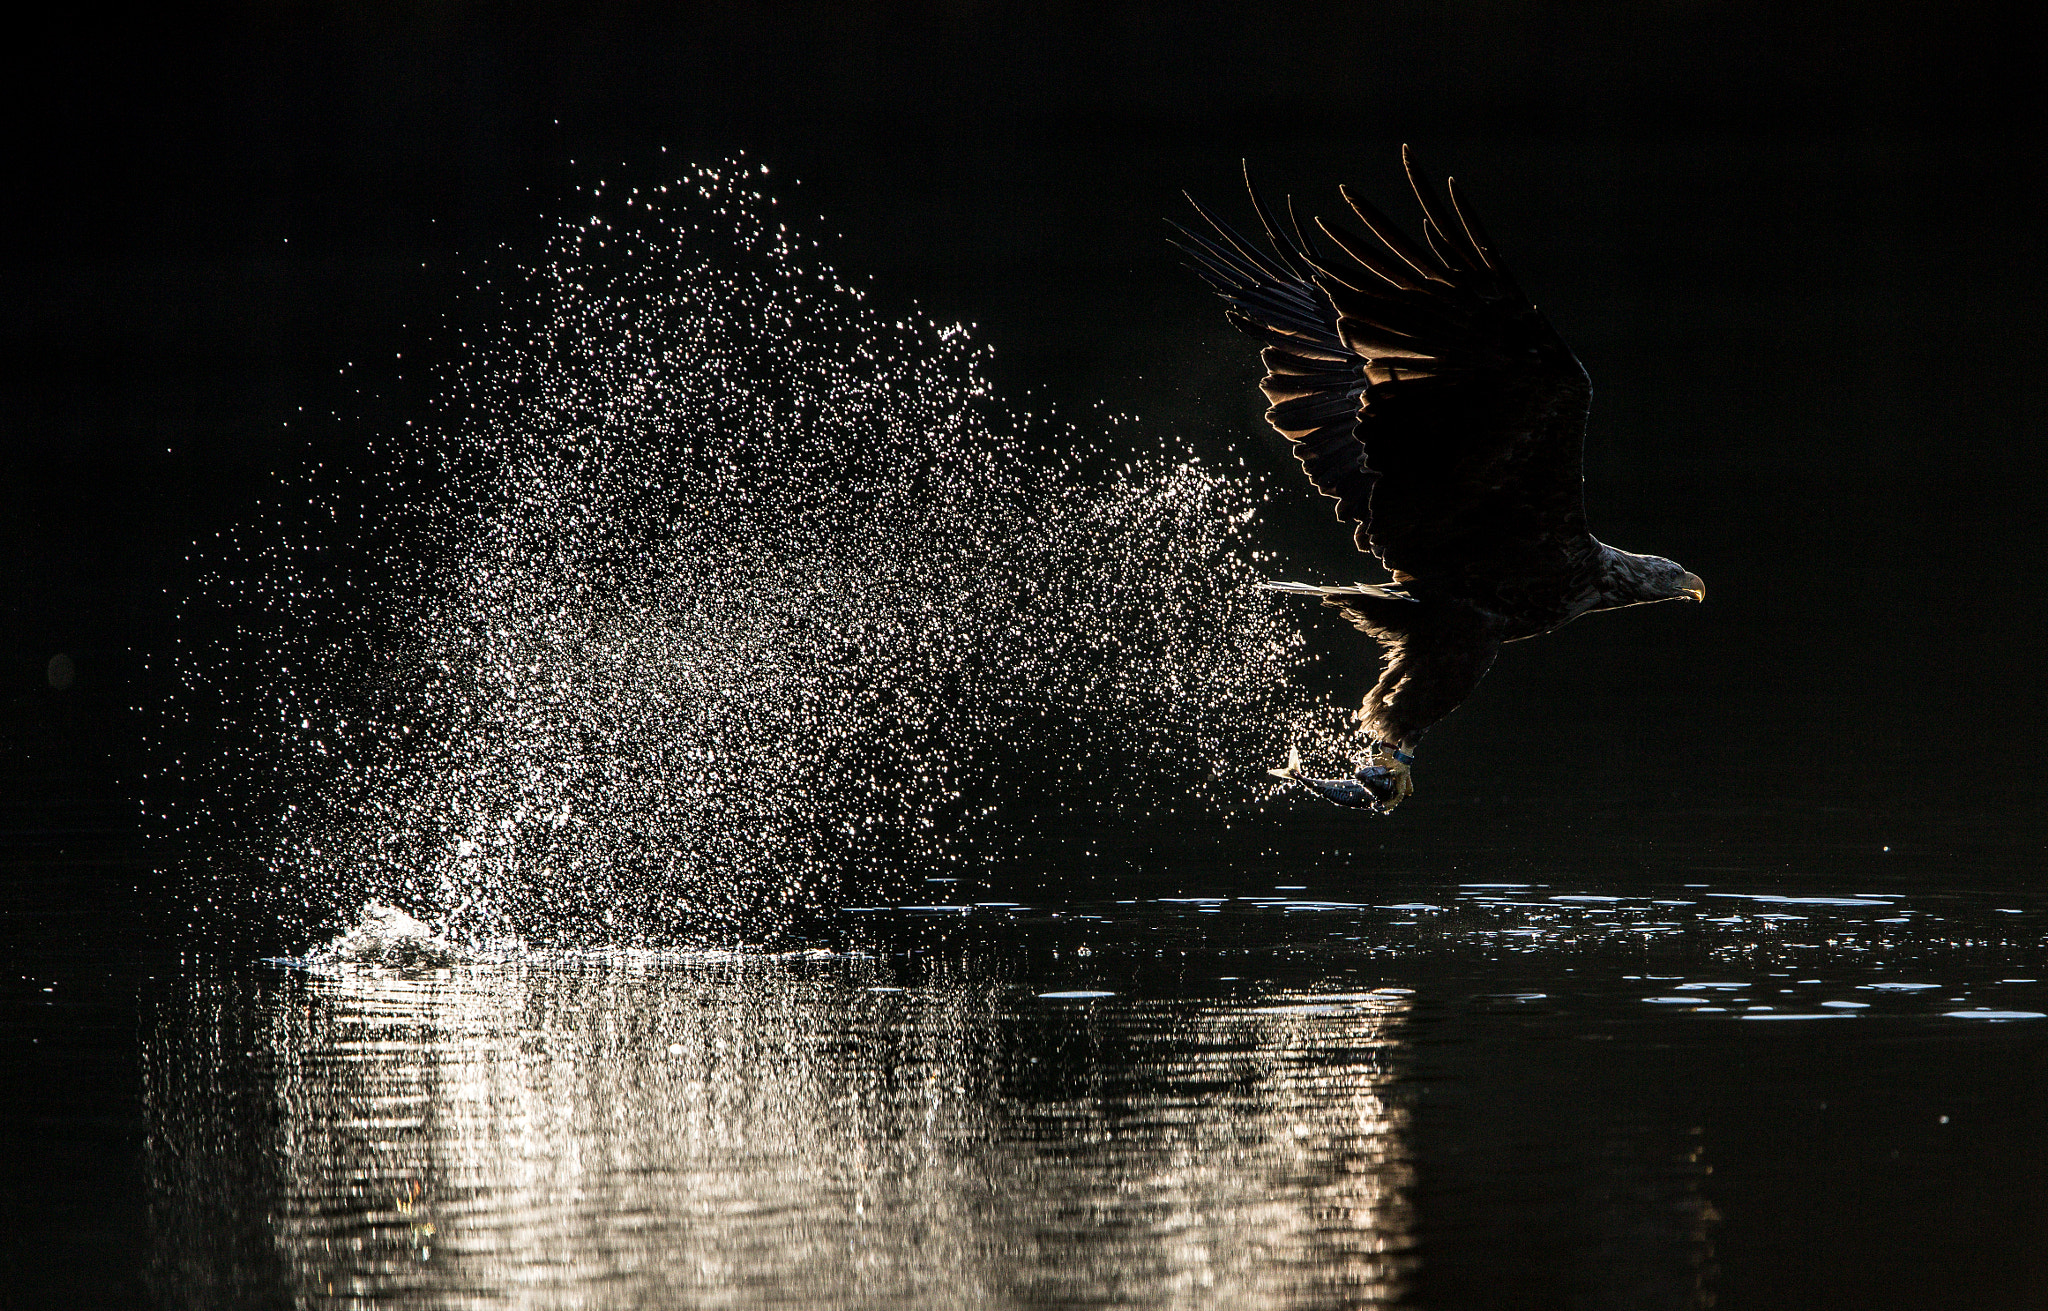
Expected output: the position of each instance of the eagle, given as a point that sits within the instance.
(1427, 397)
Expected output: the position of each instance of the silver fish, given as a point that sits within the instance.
(1381, 783)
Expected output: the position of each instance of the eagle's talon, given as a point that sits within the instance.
(1387, 774)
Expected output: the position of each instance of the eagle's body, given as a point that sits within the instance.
(1437, 407)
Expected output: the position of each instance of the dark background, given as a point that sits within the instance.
(1800, 253)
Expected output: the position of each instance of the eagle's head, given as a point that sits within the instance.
(1629, 579)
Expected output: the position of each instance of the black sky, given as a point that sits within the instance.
(1802, 241)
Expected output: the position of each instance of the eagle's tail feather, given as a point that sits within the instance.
(1337, 594)
(1292, 769)
(1381, 612)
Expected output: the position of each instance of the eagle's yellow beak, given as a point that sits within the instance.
(1694, 587)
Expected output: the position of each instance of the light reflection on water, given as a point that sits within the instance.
(1258, 1100)
(788, 1131)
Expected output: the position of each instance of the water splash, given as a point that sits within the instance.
(727, 588)
(387, 936)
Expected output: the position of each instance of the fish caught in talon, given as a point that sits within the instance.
(1383, 782)
(1393, 765)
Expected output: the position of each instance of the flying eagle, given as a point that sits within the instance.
(1443, 414)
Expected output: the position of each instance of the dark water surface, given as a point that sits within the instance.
(1739, 1073)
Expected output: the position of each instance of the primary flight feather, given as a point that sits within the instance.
(1443, 414)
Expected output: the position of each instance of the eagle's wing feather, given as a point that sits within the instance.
(1314, 382)
(1421, 389)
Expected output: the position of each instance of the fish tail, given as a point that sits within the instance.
(1292, 769)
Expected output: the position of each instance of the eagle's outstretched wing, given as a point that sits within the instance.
(1423, 392)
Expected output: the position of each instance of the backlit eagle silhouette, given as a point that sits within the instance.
(1439, 409)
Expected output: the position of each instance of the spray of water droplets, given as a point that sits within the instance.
(730, 590)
